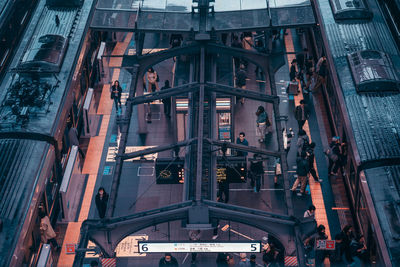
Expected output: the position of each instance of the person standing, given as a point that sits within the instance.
(310, 242)
(222, 260)
(223, 188)
(194, 235)
(116, 92)
(241, 77)
(310, 212)
(46, 231)
(101, 202)
(301, 114)
(287, 139)
(168, 260)
(310, 158)
(333, 153)
(262, 123)
(302, 142)
(241, 140)
(253, 262)
(257, 172)
(151, 86)
(278, 171)
(167, 101)
(302, 172)
(244, 261)
(293, 72)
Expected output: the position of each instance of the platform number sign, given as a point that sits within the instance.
(325, 244)
(201, 247)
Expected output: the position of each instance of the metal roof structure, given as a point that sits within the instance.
(179, 15)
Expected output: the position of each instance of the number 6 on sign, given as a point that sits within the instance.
(144, 248)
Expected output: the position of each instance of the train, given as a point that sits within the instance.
(14, 16)
(42, 94)
(362, 96)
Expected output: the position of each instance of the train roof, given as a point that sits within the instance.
(33, 90)
(374, 114)
(384, 185)
(20, 163)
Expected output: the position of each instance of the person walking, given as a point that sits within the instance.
(262, 123)
(310, 212)
(168, 260)
(310, 244)
(167, 101)
(241, 140)
(116, 92)
(257, 172)
(311, 158)
(101, 202)
(301, 114)
(46, 231)
(302, 172)
(241, 77)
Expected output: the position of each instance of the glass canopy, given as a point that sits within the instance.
(186, 5)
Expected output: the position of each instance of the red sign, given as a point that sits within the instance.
(69, 248)
(325, 245)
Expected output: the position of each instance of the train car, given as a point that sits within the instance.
(391, 10)
(14, 16)
(43, 90)
(363, 101)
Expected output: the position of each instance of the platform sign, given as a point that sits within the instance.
(325, 245)
(202, 247)
(70, 248)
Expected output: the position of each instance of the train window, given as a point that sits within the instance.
(352, 177)
(51, 191)
(373, 71)
(350, 9)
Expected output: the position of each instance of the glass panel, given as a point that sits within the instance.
(281, 3)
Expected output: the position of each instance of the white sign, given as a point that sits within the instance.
(157, 247)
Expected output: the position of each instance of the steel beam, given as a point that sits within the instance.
(157, 149)
(199, 166)
(229, 90)
(175, 91)
(250, 149)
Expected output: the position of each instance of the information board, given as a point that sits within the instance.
(205, 247)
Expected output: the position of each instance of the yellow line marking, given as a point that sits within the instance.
(316, 192)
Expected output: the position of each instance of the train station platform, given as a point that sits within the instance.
(138, 190)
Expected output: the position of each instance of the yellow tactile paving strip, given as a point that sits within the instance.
(93, 156)
(316, 192)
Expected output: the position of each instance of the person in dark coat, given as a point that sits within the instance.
(334, 156)
(222, 260)
(241, 77)
(302, 172)
(257, 172)
(101, 202)
(293, 70)
(241, 140)
(223, 188)
(301, 114)
(310, 158)
(168, 260)
(116, 92)
(167, 101)
(311, 241)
